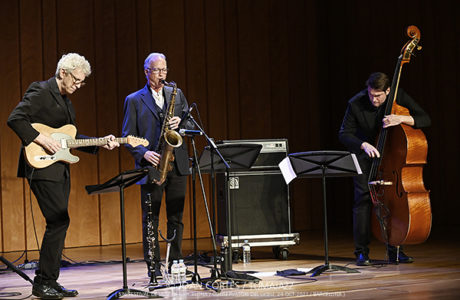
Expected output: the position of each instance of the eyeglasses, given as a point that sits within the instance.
(157, 71)
(77, 81)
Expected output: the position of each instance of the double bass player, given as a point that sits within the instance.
(363, 120)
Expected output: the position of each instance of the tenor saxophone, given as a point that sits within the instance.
(169, 139)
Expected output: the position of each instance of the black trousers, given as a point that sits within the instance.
(174, 189)
(53, 199)
(362, 208)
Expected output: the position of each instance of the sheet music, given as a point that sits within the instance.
(287, 171)
(355, 160)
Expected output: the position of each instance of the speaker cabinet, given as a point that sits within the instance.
(259, 202)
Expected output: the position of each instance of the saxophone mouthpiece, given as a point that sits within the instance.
(172, 83)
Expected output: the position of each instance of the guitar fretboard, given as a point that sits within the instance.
(93, 142)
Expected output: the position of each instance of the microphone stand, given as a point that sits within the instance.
(195, 167)
(212, 145)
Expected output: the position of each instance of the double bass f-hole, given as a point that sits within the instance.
(398, 187)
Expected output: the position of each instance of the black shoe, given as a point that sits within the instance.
(45, 291)
(362, 259)
(402, 258)
(64, 291)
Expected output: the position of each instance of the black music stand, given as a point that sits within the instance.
(322, 164)
(119, 183)
(239, 157)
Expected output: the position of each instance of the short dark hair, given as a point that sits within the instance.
(378, 81)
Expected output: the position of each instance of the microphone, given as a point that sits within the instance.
(189, 111)
(186, 115)
(184, 132)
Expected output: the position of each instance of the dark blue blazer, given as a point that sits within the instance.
(142, 119)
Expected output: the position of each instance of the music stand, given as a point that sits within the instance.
(322, 164)
(119, 183)
(16, 270)
(239, 157)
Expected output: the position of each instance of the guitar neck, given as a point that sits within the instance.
(93, 142)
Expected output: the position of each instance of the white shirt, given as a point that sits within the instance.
(158, 96)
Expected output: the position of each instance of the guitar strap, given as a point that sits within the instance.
(67, 106)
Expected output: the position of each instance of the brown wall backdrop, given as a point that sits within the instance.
(256, 69)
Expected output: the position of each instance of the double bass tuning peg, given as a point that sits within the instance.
(418, 48)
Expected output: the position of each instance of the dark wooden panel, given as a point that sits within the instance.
(105, 80)
(197, 89)
(168, 37)
(49, 38)
(301, 96)
(12, 197)
(32, 67)
(257, 69)
(75, 33)
(216, 97)
(128, 81)
(279, 69)
(254, 62)
(232, 89)
(441, 82)
(46, 52)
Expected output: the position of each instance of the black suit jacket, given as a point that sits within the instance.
(363, 121)
(141, 119)
(42, 103)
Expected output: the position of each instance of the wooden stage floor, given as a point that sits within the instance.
(435, 274)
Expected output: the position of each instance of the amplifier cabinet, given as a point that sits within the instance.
(272, 153)
(259, 203)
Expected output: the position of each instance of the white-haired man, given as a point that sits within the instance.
(144, 114)
(46, 102)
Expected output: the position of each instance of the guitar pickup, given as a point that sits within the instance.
(63, 143)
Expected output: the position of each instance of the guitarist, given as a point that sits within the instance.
(47, 102)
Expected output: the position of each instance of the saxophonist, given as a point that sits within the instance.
(144, 113)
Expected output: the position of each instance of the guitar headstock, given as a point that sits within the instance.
(136, 141)
(414, 33)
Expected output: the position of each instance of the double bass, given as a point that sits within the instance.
(402, 211)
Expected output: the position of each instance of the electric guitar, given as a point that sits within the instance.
(39, 158)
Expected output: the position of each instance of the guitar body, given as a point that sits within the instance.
(39, 158)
